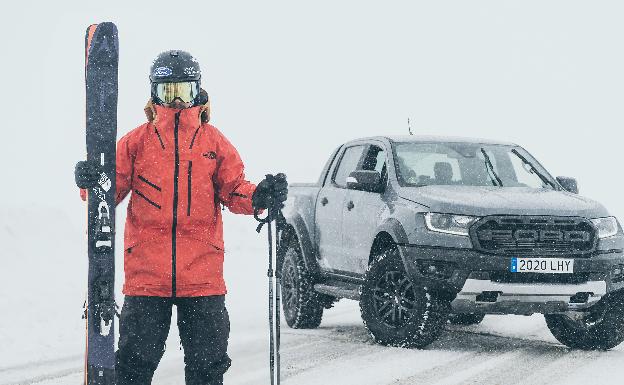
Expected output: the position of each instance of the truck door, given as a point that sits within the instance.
(329, 209)
(362, 214)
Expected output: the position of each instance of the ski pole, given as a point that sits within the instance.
(278, 288)
(270, 273)
(273, 301)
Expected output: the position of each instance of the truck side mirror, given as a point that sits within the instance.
(568, 184)
(364, 180)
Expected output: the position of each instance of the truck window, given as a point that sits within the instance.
(467, 164)
(428, 167)
(523, 175)
(348, 163)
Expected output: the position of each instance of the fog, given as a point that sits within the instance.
(290, 81)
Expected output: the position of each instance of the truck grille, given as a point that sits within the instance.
(534, 235)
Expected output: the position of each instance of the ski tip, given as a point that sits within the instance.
(104, 36)
(105, 24)
(108, 24)
(106, 27)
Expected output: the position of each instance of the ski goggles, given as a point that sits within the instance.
(184, 91)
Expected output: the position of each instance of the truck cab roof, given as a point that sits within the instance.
(434, 139)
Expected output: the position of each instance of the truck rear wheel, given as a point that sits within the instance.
(396, 312)
(301, 304)
(600, 328)
(466, 318)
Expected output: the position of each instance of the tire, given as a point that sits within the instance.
(600, 328)
(416, 316)
(301, 305)
(466, 318)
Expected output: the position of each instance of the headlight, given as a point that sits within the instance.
(449, 223)
(607, 227)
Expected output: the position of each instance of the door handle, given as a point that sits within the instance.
(324, 201)
(350, 205)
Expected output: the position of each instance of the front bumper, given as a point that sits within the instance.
(485, 296)
(475, 282)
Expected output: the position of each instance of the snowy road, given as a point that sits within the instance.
(41, 337)
(503, 350)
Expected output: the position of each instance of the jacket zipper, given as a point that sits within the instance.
(190, 175)
(159, 138)
(176, 172)
(193, 140)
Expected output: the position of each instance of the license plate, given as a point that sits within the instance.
(542, 265)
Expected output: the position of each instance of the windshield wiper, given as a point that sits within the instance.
(533, 169)
(490, 167)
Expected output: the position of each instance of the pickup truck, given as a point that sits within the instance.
(423, 231)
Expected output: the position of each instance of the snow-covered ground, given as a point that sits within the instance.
(42, 334)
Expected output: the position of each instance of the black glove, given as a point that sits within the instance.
(271, 192)
(280, 190)
(86, 174)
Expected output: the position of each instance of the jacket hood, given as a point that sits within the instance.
(486, 200)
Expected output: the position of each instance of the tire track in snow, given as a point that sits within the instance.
(511, 371)
(307, 346)
(301, 361)
(532, 362)
(455, 370)
(564, 369)
(366, 365)
(495, 359)
(547, 364)
(248, 368)
(474, 352)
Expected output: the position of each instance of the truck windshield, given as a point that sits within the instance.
(468, 164)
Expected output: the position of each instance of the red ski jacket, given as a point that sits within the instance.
(179, 170)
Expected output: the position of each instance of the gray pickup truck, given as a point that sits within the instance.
(423, 231)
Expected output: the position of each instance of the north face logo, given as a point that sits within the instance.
(210, 155)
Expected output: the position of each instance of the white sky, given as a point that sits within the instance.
(292, 80)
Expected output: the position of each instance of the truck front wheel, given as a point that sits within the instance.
(301, 304)
(396, 312)
(601, 327)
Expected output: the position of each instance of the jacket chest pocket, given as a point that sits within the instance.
(196, 183)
(147, 197)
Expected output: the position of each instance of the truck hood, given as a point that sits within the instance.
(482, 201)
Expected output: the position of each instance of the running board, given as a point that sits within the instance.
(340, 290)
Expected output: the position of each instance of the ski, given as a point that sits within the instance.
(101, 63)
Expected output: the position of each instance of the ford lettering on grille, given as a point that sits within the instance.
(534, 235)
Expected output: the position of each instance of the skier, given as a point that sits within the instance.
(179, 170)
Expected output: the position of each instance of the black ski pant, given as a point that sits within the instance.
(204, 327)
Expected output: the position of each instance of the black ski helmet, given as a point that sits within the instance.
(174, 66)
